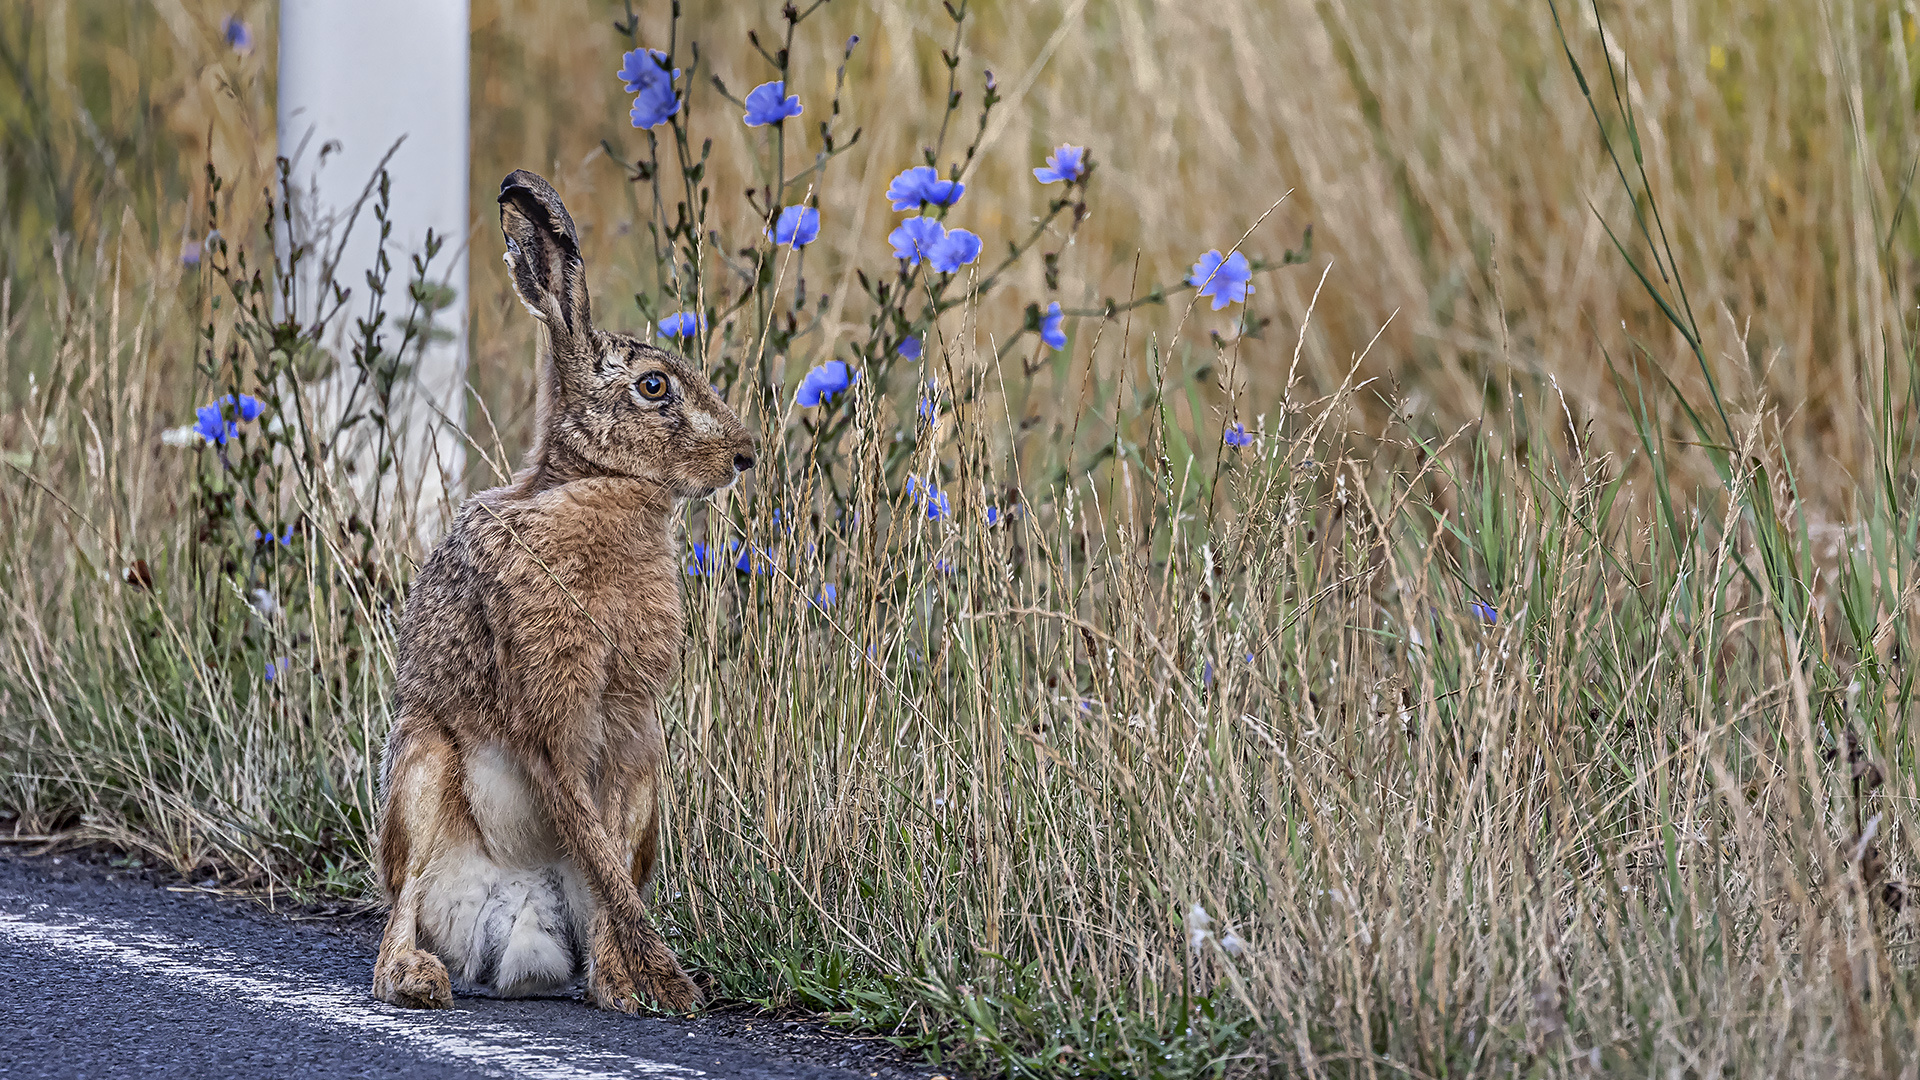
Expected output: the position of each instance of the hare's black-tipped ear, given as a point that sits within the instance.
(543, 255)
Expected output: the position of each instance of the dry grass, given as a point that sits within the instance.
(1441, 150)
(1205, 762)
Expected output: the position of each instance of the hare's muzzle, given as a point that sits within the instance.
(743, 461)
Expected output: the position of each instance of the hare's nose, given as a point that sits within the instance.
(742, 461)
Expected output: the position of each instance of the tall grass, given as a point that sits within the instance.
(1501, 709)
(1442, 150)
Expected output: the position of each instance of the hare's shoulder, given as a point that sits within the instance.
(598, 550)
(584, 535)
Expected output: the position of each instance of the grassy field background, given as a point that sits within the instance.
(1443, 153)
(1490, 714)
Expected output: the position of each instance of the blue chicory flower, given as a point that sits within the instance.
(752, 560)
(190, 253)
(768, 104)
(683, 324)
(824, 382)
(700, 564)
(215, 422)
(905, 192)
(1206, 673)
(238, 35)
(953, 251)
(916, 238)
(920, 186)
(1051, 330)
(827, 596)
(929, 406)
(652, 86)
(944, 192)
(1237, 436)
(284, 539)
(208, 425)
(943, 566)
(797, 226)
(1485, 612)
(641, 68)
(1065, 163)
(1226, 280)
(247, 405)
(278, 667)
(923, 493)
(910, 348)
(654, 106)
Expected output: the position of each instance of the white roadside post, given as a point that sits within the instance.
(357, 77)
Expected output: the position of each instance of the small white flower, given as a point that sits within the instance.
(1199, 927)
(265, 603)
(182, 436)
(1231, 942)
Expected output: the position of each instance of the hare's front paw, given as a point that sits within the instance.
(611, 986)
(413, 979)
(618, 982)
(674, 991)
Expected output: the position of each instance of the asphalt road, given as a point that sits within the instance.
(109, 974)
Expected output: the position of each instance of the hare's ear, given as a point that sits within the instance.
(543, 255)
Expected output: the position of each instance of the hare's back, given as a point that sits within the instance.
(448, 651)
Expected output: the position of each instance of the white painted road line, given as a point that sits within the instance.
(489, 1047)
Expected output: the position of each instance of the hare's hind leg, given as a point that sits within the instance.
(405, 974)
(412, 821)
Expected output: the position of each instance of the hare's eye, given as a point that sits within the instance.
(652, 386)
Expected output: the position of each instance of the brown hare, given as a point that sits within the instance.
(521, 783)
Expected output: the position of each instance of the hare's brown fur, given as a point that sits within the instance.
(520, 788)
